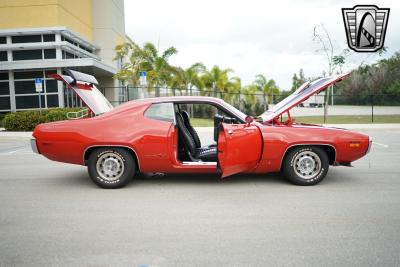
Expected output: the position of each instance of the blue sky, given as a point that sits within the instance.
(252, 37)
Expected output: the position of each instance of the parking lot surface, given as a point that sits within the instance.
(52, 214)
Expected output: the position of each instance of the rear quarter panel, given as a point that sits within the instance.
(279, 139)
(66, 141)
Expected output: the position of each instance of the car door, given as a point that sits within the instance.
(239, 148)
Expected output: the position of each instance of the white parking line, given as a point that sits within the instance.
(379, 144)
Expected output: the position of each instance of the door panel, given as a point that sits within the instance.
(239, 148)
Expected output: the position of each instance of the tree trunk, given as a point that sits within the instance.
(157, 90)
(326, 102)
(265, 102)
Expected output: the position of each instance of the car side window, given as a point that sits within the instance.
(161, 112)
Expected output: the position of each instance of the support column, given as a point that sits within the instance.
(60, 90)
(58, 48)
(12, 90)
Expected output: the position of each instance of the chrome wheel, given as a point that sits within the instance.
(110, 166)
(307, 165)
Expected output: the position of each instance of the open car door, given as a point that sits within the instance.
(239, 148)
(84, 86)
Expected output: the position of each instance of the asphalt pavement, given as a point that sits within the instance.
(52, 214)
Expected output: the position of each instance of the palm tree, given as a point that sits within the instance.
(191, 77)
(250, 98)
(216, 79)
(267, 87)
(146, 58)
(232, 90)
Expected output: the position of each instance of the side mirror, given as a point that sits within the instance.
(249, 119)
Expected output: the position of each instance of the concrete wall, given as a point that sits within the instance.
(108, 27)
(74, 14)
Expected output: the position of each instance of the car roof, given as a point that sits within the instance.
(181, 99)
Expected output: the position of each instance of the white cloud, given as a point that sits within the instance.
(253, 36)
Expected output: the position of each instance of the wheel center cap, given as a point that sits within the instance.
(111, 166)
(307, 164)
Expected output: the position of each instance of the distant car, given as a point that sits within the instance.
(156, 135)
(314, 101)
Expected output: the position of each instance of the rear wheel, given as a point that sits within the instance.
(305, 165)
(111, 167)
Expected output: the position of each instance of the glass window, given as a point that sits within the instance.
(26, 39)
(68, 55)
(50, 72)
(30, 101)
(68, 40)
(25, 87)
(5, 103)
(49, 53)
(3, 40)
(49, 37)
(3, 76)
(4, 88)
(161, 111)
(27, 54)
(28, 75)
(52, 101)
(51, 86)
(3, 55)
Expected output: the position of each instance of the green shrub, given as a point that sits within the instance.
(27, 120)
(1, 120)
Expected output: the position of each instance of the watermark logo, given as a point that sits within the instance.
(365, 27)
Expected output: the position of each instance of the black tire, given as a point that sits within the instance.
(111, 167)
(305, 165)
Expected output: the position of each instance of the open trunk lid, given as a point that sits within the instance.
(304, 92)
(84, 86)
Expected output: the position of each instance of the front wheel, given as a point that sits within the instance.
(111, 167)
(305, 165)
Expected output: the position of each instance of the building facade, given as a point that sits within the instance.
(40, 37)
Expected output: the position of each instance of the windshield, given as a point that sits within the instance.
(235, 111)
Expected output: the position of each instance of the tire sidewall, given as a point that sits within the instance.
(129, 167)
(292, 176)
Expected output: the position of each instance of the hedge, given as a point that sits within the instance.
(2, 115)
(27, 120)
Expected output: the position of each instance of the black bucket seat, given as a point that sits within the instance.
(193, 146)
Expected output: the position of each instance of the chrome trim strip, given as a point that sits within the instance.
(191, 163)
(137, 158)
(34, 146)
(308, 144)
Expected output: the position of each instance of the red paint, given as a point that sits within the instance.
(247, 147)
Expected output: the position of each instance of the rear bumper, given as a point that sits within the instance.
(34, 146)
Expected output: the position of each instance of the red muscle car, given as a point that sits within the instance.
(156, 135)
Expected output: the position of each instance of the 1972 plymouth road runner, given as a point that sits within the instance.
(156, 135)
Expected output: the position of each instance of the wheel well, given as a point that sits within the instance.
(330, 151)
(130, 150)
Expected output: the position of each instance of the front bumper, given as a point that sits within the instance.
(34, 146)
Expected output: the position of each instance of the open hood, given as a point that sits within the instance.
(84, 86)
(304, 92)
